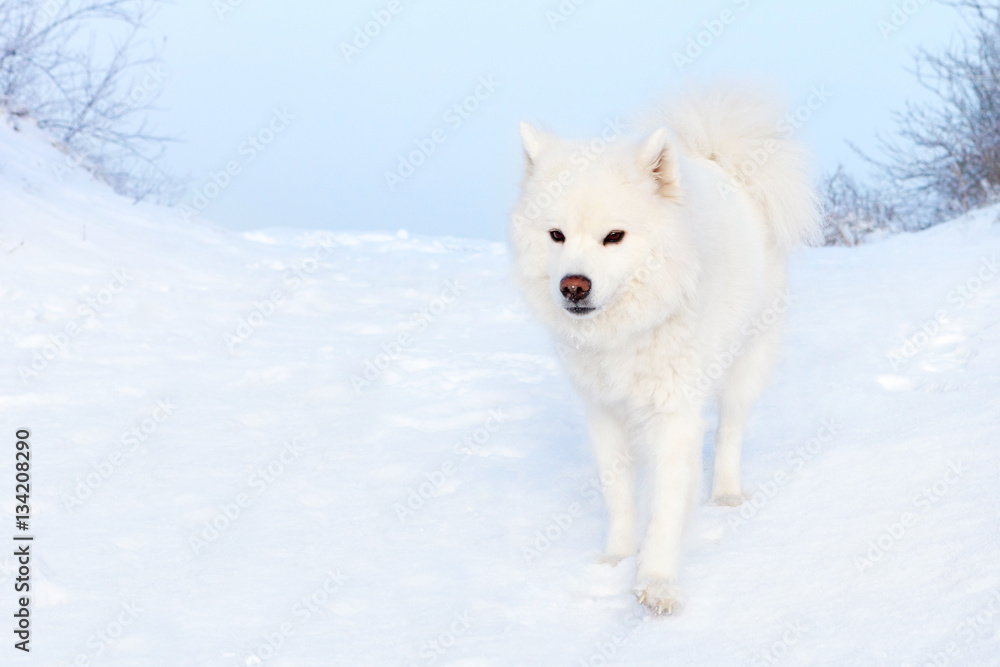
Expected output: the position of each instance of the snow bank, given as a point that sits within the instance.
(293, 448)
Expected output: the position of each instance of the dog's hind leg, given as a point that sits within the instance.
(741, 389)
(609, 440)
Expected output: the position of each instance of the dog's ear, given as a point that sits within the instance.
(658, 158)
(535, 141)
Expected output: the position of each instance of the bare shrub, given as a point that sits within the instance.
(943, 158)
(92, 94)
(852, 211)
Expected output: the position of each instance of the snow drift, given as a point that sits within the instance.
(327, 448)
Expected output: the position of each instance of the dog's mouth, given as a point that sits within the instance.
(580, 311)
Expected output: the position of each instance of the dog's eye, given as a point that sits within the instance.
(614, 237)
(557, 236)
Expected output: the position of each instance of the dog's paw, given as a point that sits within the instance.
(728, 500)
(660, 596)
(612, 559)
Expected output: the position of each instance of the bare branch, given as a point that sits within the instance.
(944, 156)
(95, 99)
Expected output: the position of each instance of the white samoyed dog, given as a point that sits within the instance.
(660, 267)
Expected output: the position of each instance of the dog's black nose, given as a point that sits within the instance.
(575, 288)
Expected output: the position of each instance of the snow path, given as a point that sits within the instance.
(473, 410)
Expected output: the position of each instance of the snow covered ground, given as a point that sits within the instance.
(356, 449)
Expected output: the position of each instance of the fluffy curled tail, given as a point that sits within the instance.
(743, 131)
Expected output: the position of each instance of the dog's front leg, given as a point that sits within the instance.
(609, 441)
(674, 443)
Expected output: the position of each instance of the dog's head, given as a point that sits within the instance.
(600, 241)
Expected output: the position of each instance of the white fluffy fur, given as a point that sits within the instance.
(710, 201)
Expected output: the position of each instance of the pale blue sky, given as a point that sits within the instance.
(353, 119)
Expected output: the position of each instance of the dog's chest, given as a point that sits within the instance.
(647, 373)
